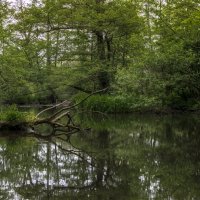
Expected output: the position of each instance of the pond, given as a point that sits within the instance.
(124, 157)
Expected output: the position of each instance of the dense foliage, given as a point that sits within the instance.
(146, 52)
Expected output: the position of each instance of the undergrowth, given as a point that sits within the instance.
(12, 114)
(115, 104)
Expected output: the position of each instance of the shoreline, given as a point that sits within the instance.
(138, 111)
(141, 110)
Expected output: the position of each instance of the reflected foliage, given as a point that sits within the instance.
(126, 158)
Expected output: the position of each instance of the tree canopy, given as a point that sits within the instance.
(146, 50)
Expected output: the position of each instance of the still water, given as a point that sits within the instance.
(120, 158)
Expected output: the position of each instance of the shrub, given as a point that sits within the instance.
(12, 114)
(115, 104)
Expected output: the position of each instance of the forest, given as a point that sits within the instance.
(99, 99)
(144, 54)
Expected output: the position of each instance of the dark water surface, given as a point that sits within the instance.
(120, 158)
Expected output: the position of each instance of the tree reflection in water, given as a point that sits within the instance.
(127, 158)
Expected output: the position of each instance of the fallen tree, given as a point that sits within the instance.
(60, 118)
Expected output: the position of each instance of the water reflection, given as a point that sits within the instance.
(125, 158)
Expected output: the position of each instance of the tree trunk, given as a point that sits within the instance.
(102, 55)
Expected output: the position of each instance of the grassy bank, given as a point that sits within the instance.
(12, 114)
(117, 104)
(120, 104)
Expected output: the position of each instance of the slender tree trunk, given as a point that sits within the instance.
(48, 56)
(103, 76)
(101, 46)
(147, 11)
(57, 48)
(48, 39)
